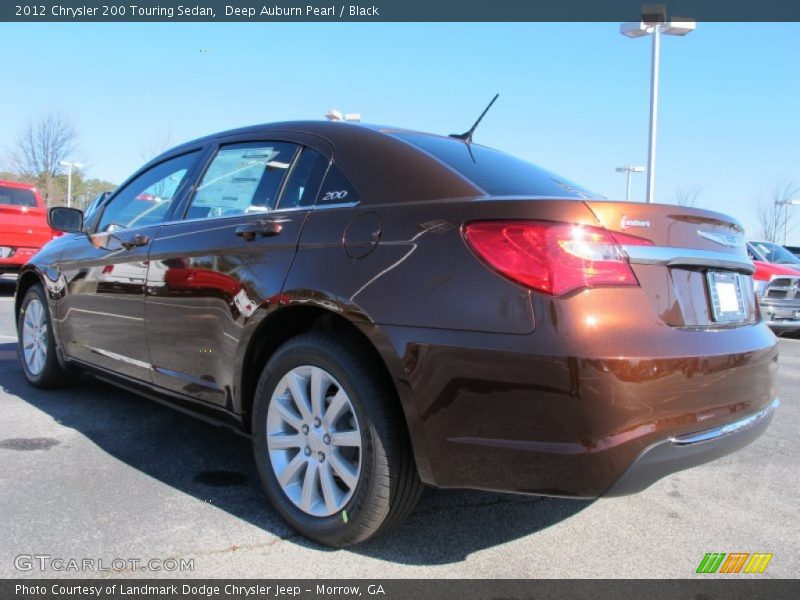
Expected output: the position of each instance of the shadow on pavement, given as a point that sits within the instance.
(8, 283)
(216, 466)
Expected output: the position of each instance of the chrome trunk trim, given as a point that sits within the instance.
(688, 257)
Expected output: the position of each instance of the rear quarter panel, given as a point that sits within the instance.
(508, 389)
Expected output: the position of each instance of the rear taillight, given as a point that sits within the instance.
(551, 257)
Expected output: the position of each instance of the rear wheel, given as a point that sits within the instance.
(36, 347)
(329, 441)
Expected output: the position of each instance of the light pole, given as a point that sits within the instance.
(654, 22)
(629, 170)
(70, 166)
(787, 204)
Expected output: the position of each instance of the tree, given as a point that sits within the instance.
(43, 144)
(776, 220)
(39, 150)
(85, 190)
(687, 196)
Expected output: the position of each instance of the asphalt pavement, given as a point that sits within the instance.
(93, 472)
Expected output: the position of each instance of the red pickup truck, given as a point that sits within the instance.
(23, 224)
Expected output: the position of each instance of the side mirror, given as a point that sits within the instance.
(68, 220)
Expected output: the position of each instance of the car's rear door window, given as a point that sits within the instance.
(244, 178)
(304, 181)
(337, 189)
(17, 197)
(147, 199)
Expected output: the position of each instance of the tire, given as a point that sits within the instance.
(39, 361)
(386, 487)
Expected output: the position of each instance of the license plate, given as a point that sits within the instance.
(5, 251)
(727, 300)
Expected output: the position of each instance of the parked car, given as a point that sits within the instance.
(773, 253)
(409, 308)
(778, 291)
(23, 225)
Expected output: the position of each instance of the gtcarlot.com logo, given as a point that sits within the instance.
(734, 562)
(48, 562)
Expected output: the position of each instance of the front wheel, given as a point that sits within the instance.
(330, 443)
(36, 347)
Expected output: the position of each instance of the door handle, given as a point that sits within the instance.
(134, 242)
(249, 231)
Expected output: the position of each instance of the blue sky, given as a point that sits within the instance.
(574, 97)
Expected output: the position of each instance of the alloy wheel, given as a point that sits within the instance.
(314, 441)
(34, 336)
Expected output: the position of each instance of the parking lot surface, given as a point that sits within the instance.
(95, 472)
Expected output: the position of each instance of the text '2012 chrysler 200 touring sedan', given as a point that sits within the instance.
(381, 309)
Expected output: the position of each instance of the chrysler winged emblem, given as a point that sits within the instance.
(730, 240)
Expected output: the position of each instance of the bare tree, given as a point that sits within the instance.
(43, 144)
(687, 196)
(775, 219)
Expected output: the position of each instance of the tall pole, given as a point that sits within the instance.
(785, 221)
(69, 186)
(651, 151)
(628, 187)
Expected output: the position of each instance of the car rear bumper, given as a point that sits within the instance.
(491, 412)
(689, 450)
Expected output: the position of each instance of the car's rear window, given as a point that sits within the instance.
(495, 172)
(17, 197)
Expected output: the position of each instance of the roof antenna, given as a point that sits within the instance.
(467, 137)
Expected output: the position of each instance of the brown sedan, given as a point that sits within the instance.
(381, 309)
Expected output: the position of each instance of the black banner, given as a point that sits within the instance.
(730, 588)
(388, 10)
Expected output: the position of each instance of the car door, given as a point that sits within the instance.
(229, 256)
(101, 316)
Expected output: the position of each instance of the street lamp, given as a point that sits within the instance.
(629, 169)
(654, 22)
(787, 204)
(70, 166)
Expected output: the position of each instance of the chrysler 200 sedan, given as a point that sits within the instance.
(381, 309)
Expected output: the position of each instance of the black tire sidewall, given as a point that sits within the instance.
(51, 368)
(363, 505)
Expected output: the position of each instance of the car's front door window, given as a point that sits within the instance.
(146, 200)
(242, 179)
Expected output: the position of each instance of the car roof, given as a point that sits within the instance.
(381, 166)
(331, 130)
(18, 184)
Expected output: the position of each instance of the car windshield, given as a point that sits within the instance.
(17, 197)
(776, 254)
(495, 172)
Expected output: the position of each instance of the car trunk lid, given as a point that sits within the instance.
(695, 269)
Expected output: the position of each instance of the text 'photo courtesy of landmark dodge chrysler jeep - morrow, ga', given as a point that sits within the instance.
(381, 309)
